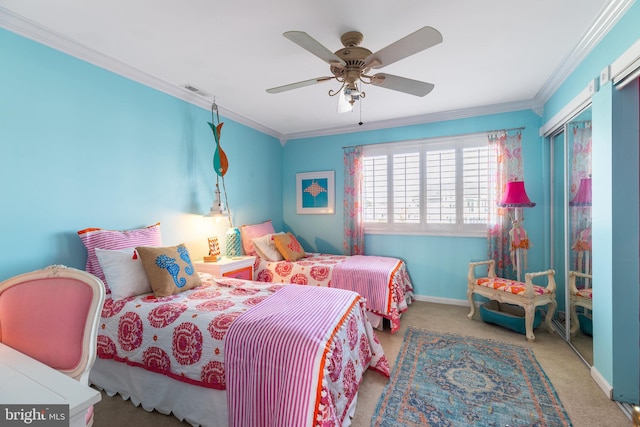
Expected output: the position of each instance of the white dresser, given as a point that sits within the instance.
(25, 381)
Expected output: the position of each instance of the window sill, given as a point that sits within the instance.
(481, 234)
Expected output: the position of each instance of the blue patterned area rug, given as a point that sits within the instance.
(451, 380)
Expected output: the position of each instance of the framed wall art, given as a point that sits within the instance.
(315, 192)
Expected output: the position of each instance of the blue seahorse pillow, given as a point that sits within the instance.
(169, 269)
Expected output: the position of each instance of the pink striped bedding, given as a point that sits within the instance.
(185, 336)
(383, 281)
(298, 329)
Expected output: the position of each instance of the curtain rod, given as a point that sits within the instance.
(451, 136)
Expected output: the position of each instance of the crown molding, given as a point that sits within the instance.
(602, 24)
(33, 31)
(421, 119)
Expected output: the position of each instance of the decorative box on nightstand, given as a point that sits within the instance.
(237, 267)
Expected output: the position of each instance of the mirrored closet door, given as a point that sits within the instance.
(571, 230)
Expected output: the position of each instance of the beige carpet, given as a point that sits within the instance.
(585, 403)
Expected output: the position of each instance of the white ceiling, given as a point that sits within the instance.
(497, 55)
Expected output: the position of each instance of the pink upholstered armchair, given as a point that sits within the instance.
(52, 316)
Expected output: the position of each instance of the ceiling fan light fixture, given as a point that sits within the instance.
(348, 97)
(353, 95)
(345, 103)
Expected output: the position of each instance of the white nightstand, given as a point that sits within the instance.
(237, 267)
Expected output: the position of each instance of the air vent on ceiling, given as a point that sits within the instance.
(194, 89)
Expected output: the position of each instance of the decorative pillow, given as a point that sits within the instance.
(93, 238)
(266, 248)
(124, 272)
(169, 269)
(250, 232)
(288, 246)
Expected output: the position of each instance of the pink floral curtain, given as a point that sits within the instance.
(505, 165)
(353, 225)
(580, 209)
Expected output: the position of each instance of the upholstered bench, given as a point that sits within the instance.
(525, 294)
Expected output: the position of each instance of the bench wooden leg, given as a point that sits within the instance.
(472, 305)
(529, 315)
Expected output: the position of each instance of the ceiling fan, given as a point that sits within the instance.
(352, 64)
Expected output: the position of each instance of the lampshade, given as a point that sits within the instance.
(515, 196)
(583, 196)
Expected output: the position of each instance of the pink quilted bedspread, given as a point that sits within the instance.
(282, 348)
(184, 337)
(383, 281)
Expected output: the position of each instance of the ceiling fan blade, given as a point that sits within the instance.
(415, 42)
(299, 84)
(307, 42)
(402, 84)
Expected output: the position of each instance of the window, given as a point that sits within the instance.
(438, 186)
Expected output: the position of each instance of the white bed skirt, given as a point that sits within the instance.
(199, 406)
(375, 320)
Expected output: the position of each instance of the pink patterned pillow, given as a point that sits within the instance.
(93, 238)
(289, 246)
(250, 232)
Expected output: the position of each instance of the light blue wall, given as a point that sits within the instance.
(437, 265)
(602, 231)
(615, 233)
(83, 147)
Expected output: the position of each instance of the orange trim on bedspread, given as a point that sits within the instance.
(327, 347)
(390, 284)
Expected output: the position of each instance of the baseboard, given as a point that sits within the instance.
(602, 382)
(437, 300)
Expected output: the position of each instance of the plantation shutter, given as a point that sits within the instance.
(440, 187)
(375, 188)
(475, 171)
(406, 188)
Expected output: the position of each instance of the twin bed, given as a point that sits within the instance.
(184, 353)
(233, 352)
(383, 281)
